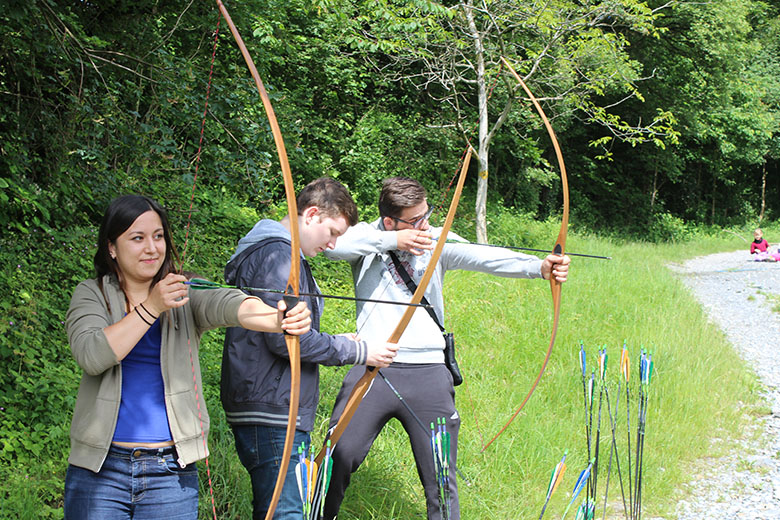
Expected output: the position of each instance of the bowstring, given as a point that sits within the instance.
(446, 192)
(441, 204)
(200, 142)
(183, 258)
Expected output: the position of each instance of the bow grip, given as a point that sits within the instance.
(290, 299)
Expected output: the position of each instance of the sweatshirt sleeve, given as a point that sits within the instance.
(323, 349)
(216, 308)
(492, 260)
(86, 318)
(362, 240)
(330, 350)
(270, 268)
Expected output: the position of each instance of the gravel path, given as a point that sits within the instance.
(733, 290)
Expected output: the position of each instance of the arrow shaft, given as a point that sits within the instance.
(518, 248)
(416, 417)
(214, 285)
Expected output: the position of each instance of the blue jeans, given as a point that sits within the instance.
(138, 483)
(260, 450)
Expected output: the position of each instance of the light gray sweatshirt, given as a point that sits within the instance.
(366, 247)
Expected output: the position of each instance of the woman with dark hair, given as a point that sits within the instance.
(139, 423)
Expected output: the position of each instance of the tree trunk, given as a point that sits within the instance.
(654, 193)
(481, 204)
(763, 192)
(484, 144)
(699, 193)
(712, 213)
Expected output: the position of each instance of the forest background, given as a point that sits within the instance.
(667, 113)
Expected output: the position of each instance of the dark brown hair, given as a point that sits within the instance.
(331, 197)
(399, 193)
(120, 215)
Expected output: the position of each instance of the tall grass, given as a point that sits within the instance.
(502, 328)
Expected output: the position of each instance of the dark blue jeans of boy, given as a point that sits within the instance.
(260, 450)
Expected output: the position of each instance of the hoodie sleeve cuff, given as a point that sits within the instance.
(361, 352)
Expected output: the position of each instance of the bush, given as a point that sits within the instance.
(38, 382)
(667, 228)
(521, 230)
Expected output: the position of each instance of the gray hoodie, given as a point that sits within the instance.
(366, 246)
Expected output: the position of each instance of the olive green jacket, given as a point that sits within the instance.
(97, 405)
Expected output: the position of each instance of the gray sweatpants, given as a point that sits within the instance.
(428, 390)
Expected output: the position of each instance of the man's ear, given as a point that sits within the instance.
(309, 213)
(388, 223)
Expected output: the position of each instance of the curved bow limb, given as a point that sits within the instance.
(558, 249)
(293, 282)
(364, 383)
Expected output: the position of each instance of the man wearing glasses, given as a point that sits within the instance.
(388, 258)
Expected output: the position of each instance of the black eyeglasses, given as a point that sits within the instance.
(416, 223)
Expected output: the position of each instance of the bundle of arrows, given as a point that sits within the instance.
(313, 481)
(631, 481)
(597, 383)
(440, 448)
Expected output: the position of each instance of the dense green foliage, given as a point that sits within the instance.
(103, 98)
(108, 97)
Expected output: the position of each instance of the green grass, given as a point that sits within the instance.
(773, 300)
(502, 328)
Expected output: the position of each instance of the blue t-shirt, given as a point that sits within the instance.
(142, 415)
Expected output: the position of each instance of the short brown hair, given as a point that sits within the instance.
(399, 193)
(331, 197)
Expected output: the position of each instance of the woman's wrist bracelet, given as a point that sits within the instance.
(141, 316)
(147, 312)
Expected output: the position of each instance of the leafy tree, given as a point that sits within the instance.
(571, 53)
(704, 71)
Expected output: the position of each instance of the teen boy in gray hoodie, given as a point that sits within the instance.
(255, 387)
